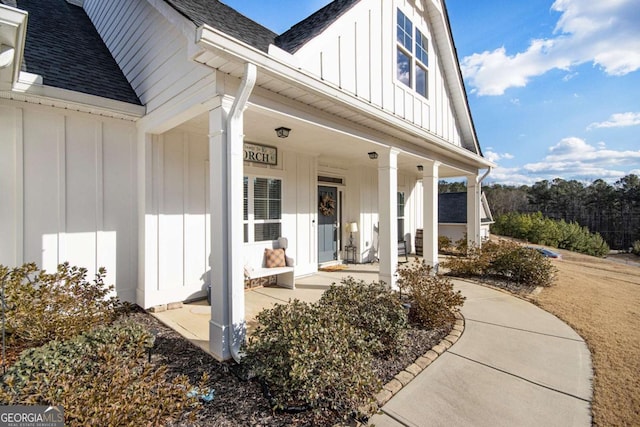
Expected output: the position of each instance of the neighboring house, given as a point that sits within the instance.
(141, 135)
(452, 216)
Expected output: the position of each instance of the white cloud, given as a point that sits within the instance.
(515, 101)
(573, 158)
(494, 157)
(605, 33)
(618, 120)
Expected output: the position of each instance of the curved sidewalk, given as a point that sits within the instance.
(515, 365)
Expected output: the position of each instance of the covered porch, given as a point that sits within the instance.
(191, 320)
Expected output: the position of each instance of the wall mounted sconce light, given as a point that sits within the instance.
(373, 155)
(420, 168)
(282, 132)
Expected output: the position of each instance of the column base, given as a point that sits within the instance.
(219, 341)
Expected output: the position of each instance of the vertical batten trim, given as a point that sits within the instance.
(159, 202)
(62, 188)
(99, 183)
(19, 196)
(185, 203)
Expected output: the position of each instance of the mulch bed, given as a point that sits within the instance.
(239, 402)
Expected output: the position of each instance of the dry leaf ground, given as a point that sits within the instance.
(600, 299)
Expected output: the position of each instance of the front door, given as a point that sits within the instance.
(327, 224)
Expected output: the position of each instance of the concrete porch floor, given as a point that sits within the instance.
(192, 319)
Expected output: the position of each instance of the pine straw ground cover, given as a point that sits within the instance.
(242, 403)
(600, 299)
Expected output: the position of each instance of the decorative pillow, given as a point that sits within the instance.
(274, 258)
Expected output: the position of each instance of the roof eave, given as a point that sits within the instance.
(234, 50)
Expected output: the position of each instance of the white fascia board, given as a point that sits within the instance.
(234, 50)
(15, 22)
(28, 89)
(446, 48)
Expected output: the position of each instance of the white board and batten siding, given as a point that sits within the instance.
(357, 53)
(177, 237)
(71, 192)
(151, 52)
(177, 244)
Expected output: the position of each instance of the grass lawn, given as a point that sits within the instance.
(600, 299)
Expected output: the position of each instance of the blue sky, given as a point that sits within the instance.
(553, 86)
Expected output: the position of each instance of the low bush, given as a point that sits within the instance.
(635, 249)
(504, 260)
(535, 228)
(372, 308)
(433, 300)
(100, 378)
(306, 356)
(44, 307)
(444, 244)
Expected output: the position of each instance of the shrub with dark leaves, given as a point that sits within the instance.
(306, 356)
(100, 378)
(432, 297)
(60, 305)
(373, 308)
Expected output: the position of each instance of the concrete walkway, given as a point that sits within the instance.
(515, 365)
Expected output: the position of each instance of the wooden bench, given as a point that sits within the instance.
(284, 275)
(255, 268)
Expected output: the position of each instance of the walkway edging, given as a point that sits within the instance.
(404, 377)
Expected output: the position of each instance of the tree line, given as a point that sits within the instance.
(613, 210)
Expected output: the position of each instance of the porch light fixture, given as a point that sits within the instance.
(282, 132)
(420, 168)
(373, 155)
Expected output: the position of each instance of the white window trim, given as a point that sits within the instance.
(251, 221)
(414, 61)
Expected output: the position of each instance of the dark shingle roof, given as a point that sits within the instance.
(452, 208)
(221, 17)
(64, 48)
(294, 38)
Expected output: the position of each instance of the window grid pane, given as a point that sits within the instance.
(421, 48)
(421, 81)
(405, 31)
(267, 231)
(404, 68)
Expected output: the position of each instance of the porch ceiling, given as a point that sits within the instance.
(331, 146)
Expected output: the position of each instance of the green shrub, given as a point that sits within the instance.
(444, 244)
(100, 378)
(372, 308)
(61, 305)
(505, 260)
(433, 300)
(537, 229)
(307, 356)
(636, 247)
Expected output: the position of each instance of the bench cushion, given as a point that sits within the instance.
(274, 258)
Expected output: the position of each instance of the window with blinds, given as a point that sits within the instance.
(262, 209)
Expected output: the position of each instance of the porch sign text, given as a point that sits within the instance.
(257, 153)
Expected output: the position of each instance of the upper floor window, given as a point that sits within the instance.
(412, 56)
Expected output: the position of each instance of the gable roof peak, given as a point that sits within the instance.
(309, 28)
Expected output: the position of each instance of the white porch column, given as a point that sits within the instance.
(227, 324)
(430, 177)
(227, 328)
(220, 277)
(473, 211)
(388, 216)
